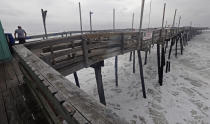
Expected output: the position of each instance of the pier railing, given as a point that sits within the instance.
(60, 98)
(69, 54)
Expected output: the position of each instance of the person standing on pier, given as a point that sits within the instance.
(21, 35)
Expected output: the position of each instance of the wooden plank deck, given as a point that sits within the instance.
(17, 105)
(61, 99)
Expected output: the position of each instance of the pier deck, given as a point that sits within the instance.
(16, 104)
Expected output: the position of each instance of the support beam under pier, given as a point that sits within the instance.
(97, 68)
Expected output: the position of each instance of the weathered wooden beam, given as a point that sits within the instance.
(166, 46)
(49, 42)
(130, 58)
(76, 66)
(176, 46)
(116, 70)
(76, 79)
(145, 59)
(73, 96)
(162, 65)
(169, 55)
(70, 68)
(134, 61)
(61, 46)
(97, 68)
(181, 44)
(158, 63)
(141, 73)
(79, 49)
(42, 91)
(96, 54)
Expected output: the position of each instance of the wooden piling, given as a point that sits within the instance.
(76, 79)
(116, 57)
(116, 70)
(158, 61)
(161, 63)
(134, 61)
(140, 38)
(132, 31)
(166, 46)
(97, 68)
(176, 47)
(84, 42)
(181, 44)
(174, 18)
(130, 58)
(141, 74)
(44, 15)
(145, 59)
(169, 56)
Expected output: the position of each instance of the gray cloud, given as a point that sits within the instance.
(63, 15)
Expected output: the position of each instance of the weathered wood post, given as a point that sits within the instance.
(91, 28)
(139, 52)
(161, 56)
(171, 45)
(158, 61)
(80, 17)
(146, 52)
(150, 10)
(169, 55)
(145, 59)
(190, 32)
(177, 39)
(134, 61)
(116, 70)
(132, 31)
(76, 79)
(166, 46)
(173, 25)
(44, 15)
(185, 38)
(179, 22)
(84, 42)
(181, 44)
(134, 52)
(130, 58)
(97, 68)
(180, 36)
(116, 57)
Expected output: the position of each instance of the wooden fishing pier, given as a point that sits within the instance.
(38, 69)
(44, 63)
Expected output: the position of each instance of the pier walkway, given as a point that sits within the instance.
(17, 106)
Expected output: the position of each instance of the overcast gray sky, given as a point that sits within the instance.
(63, 15)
